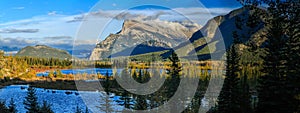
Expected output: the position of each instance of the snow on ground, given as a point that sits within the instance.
(58, 99)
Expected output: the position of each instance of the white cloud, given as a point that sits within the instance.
(57, 37)
(19, 30)
(198, 15)
(52, 13)
(16, 42)
(52, 25)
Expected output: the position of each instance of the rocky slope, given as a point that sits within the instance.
(43, 51)
(162, 34)
(217, 34)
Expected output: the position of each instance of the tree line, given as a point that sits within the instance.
(278, 83)
(31, 105)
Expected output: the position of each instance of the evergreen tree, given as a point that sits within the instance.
(228, 100)
(173, 80)
(30, 102)
(146, 76)
(107, 83)
(78, 110)
(45, 108)
(3, 107)
(12, 106)
(274, 90)
(140, 77)
(174, 73)
(293, 62)
(245, 96)
(278, 89)
(134, 75)
(126, 100)
(106, 106)
(86, 109)
(141, 103)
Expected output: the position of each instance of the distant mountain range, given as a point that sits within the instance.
(7, 48)
(139, 37)
(135, 36)
(43, 51)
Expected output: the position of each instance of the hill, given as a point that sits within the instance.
(43, 51)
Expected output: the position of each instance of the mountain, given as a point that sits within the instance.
(148, 36)
(145, 47)
(43, 51)
(213, 38)
(7, 48)
(217, 34)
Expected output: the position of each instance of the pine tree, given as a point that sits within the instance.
(293, 62)
(78, 110)
(141, 103)
(228, 100)
(45, 108)
(107, 105)
(174, 73)
(12, 106)
(86, 109)
(173, 80)
(146, 76)
(30, 102)
(274, 90)
(3, 107)
(134, 75)
(279, 85)
(126, 100)
(140, 77)
(107, 83)
(245, 96)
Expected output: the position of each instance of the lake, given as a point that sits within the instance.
(102, 71)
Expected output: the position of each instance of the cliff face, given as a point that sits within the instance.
(217, 34)
(153, 33)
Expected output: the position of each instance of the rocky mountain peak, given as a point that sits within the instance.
(135, 32)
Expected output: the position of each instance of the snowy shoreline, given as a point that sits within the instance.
(61, 101)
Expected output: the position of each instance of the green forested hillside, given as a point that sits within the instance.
(42, 51)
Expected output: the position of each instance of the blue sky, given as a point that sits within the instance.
(21, 9)
(30, 22)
